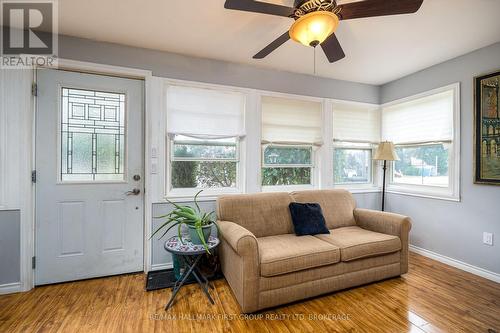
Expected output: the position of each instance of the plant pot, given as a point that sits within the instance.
(193, 234)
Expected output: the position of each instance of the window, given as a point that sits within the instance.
(92, 135)
(205, 127)
(287, 165)
(352, 166)
(356, 129)
(204, 164)
(424, 129)
(291, 130)
(422, 165)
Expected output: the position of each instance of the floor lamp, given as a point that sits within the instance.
(385, 152)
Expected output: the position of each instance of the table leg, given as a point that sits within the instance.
(184, 278)
(207, 282)
(203, 286)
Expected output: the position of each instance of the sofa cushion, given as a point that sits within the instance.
(323, 272)
(307, 219)
(355, 242)
(282, 254)
(263, 214)
(337, 205)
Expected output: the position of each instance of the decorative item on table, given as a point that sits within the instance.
(198, 223)
(385, 152)
(487, 129)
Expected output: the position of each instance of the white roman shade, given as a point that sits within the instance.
(286, 121)
(422, 120)
(356, 123)
(205, 113)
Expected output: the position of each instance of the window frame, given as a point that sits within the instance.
(187, 192)
(351, 146)
(279, 188)
(317, 171)
(421, 145)
(180, 194)
(452, 191)
(376, 177)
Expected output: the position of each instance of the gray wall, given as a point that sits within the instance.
(10, 246)
(160, 256)
(454, 229)
(183, 67)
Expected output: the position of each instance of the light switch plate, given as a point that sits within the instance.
(154, 167)
(154, 152)
(488, 238)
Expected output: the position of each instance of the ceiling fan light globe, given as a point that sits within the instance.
(313, 28)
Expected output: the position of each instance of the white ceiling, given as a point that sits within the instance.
(378, 50)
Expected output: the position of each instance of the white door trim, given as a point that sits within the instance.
(28, 238)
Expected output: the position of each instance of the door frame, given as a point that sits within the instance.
(149, 103)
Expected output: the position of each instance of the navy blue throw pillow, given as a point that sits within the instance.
(307, 219)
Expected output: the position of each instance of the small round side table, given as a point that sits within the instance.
(189, 254)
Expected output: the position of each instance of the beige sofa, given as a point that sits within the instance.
(266, 264)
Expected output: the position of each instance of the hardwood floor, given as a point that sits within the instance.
(432, 297)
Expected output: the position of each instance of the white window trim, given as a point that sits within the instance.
(316, 170)
(182, 194)
(375, 184)
(452, 192)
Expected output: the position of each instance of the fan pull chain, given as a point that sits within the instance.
(314, 60)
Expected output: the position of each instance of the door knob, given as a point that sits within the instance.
(135, 191)
(136, 178)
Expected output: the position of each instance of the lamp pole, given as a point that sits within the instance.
(385, 152)
(383, 184)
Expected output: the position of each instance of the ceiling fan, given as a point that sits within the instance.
(316, 20)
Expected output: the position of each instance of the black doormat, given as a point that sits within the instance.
(162, 279)
(165, 278)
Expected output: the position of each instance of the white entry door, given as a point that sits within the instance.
(89, 176)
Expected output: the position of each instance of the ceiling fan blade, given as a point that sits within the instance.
(332, 48)
(273, 46)
(369, 8)
(259, 7)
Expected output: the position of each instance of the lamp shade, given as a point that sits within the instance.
(313, 28)
(386, 152)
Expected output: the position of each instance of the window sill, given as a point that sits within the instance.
(361, 190)
(287, 188)
(9, 208)
(181, 199)
(435, 196)
(187, 195)
(358, 188)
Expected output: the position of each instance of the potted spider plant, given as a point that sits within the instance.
(198, 223)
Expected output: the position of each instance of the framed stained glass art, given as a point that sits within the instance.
(487, 129)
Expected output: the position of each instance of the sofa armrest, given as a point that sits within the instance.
(239, 254)
(383, 222)
(241, 240)
(387, 223)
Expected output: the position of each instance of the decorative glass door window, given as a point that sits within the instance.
(92, 138)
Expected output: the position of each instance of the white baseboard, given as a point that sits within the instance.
(10, 288)
(157, 267)
(457, 264)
